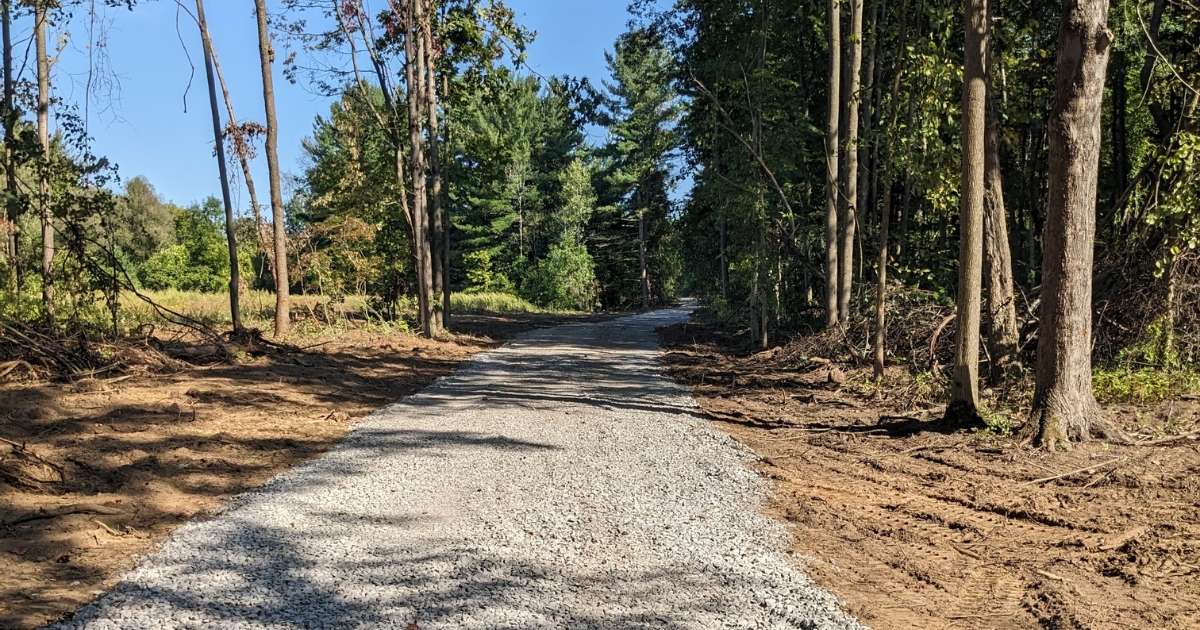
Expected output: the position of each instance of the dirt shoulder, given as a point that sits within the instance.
(94, 474)
(918, 528)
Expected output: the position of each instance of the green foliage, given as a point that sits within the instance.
(564, 280)
(353, 233)
(482, 277)
(492, 302)
(641, 111)
(199, 261)
(1145, 385)
(998, 421)
(143, 223)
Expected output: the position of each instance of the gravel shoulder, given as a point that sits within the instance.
(561, 481)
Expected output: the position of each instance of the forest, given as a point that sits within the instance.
(984, 213)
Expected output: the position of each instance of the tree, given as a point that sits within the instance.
(219, 142)
(9, 114)
(964, 395)
(642, 111)
(143, 223)
(416, 76)
(1003, 336)
(832, 146)
(439, 228)
(41, 18)
(266, 55)
(566, 277)
(1064, 406)
(848, 218)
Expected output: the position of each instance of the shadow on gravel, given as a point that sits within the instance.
(602, 367)
(257, 575)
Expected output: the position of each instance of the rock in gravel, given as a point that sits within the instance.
(562, 481)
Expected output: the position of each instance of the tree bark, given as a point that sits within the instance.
(645, 273)
(12, 208)
(415, 77)
(964, 398)
(235, 280)
(1064, 406)
(247, 175)
(832, 146)
(43, 130)
(439, 298)
(1003, 337)
(721, 256)
(848, 219)
(266, 53)
(879, 348)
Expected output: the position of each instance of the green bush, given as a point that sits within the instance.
(491, 302)
(565, 279)
(1143, 385)
(482, 276)
(199, 261)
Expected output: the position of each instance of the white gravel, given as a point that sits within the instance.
(562, 481)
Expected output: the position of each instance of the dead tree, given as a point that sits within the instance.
(218, 139)
(266, 55)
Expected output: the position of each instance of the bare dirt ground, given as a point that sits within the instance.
(915, 527)
(93, 474)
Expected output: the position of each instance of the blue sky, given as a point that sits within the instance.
(142, 124)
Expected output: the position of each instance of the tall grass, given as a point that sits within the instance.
(311, 311)
(257, 307)
(494, 302)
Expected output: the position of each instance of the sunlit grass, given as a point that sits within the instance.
(494, 302)
(1144, 385)
(310, 311)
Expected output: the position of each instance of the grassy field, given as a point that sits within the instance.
(258, 308)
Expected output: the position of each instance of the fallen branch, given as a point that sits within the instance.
(107, 528)
(7, 368)
(1074, 472)
(933, 341)
(1168, 440)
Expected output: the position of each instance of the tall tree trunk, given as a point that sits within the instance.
(446, 224)
(848, 220)
(235, 280)
(1064, 406)
(244, 161)
(415, 77)
(9, 112)
(266, 53)
(645, 273)
(832, 146)
(879, 347)
(43, 130)
(964, 400)
(721, 257)
(437, 222)
(1003, 337)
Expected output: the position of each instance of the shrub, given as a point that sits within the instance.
(482, 276)
(565, 279)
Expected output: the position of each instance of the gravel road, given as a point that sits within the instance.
(562, 481)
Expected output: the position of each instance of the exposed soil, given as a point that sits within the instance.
(94, 473)
(916, 526)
